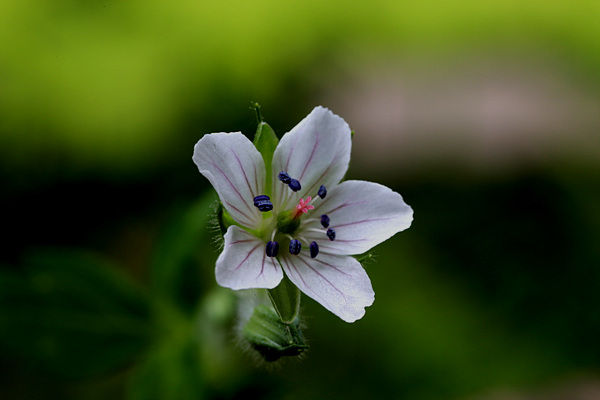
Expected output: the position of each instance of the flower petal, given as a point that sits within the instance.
(243, 263)
(363, 214)
(237, 172)
(315, 152)
(339, 283)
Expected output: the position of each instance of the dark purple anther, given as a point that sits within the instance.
(272, 249)
(259, 198)
(284, 177)
(295, 185)
(314, 249)
(264, 205)
(322, 192)
(331, 234)
(325, 221)
(295, 247)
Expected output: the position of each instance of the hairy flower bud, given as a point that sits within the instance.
(270, 337)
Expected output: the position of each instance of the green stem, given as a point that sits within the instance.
(286, 300)
(259, 117)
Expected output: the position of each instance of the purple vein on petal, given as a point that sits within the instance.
(231, 206)
(345, 205)
(362, 221)
(287, 164)
(232, 186)
(289, 266)
(247, 256)
(312, 154)
(319, 180)
(255, 176)
(325, 279)
(244, 172)
(331, 266)
(333, 249)
(262, 267)
(281, 193)
(241, 241)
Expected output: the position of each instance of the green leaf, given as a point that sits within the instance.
(172, 371)
(266, 141)
(286, 300)
(93, 281)
(184, 257)
(73, 314)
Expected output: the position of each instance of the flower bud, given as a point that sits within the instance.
(272, 338)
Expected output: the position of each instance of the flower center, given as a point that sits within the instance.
(289, 221)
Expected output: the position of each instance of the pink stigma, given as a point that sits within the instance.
(302, 207)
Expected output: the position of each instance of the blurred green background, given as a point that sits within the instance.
(485, 116)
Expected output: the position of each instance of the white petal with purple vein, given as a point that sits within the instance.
(363, 215)
(339, 283)
(316, 152)
(243, 263)
(237, 172)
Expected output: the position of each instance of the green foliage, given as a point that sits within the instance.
(73, 314)
(105, 84)
(463, 305)
(495, 285)
(183, 259)
(171, 371)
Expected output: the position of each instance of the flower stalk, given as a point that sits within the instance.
(286, 300)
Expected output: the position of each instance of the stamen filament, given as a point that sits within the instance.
(313, 230)
(315, 199)
(308, 220)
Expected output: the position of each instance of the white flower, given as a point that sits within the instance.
(310, 223)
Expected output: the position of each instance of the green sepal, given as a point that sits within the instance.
(270, 337)
(265, 142)
(224, 219)
(73, 314)
(286, 300)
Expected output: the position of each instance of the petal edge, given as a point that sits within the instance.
(338, 283)
(236, 170)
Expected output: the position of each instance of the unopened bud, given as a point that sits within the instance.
(272, 338)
